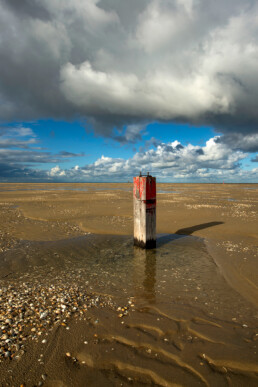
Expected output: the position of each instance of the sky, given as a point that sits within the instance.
(98, 90)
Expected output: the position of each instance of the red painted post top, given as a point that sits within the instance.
(144, 187)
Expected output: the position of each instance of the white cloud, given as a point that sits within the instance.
(171, 161)
(56, 172)
(215, 161)
(158, 95)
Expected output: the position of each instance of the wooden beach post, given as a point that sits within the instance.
(144, 199)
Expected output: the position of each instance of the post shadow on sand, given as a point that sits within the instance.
(166, 238)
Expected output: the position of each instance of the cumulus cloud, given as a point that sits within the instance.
(116, 62)
(172, 161)
(56, 171)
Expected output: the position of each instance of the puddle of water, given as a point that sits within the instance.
(183, 323)
(128, 189)
(70, 189)
(45, 189)
(164, 192)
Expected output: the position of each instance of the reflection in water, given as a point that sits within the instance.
(166, 192)
(145, 278)
(150, 275)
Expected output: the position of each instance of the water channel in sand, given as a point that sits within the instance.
(174, 320)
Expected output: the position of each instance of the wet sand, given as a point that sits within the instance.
(81, 306)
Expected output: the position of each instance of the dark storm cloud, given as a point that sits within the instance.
(28, 8)
(255, 159)
(120, 62)
(247, 143)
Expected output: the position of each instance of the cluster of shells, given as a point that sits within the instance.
(28, 310)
